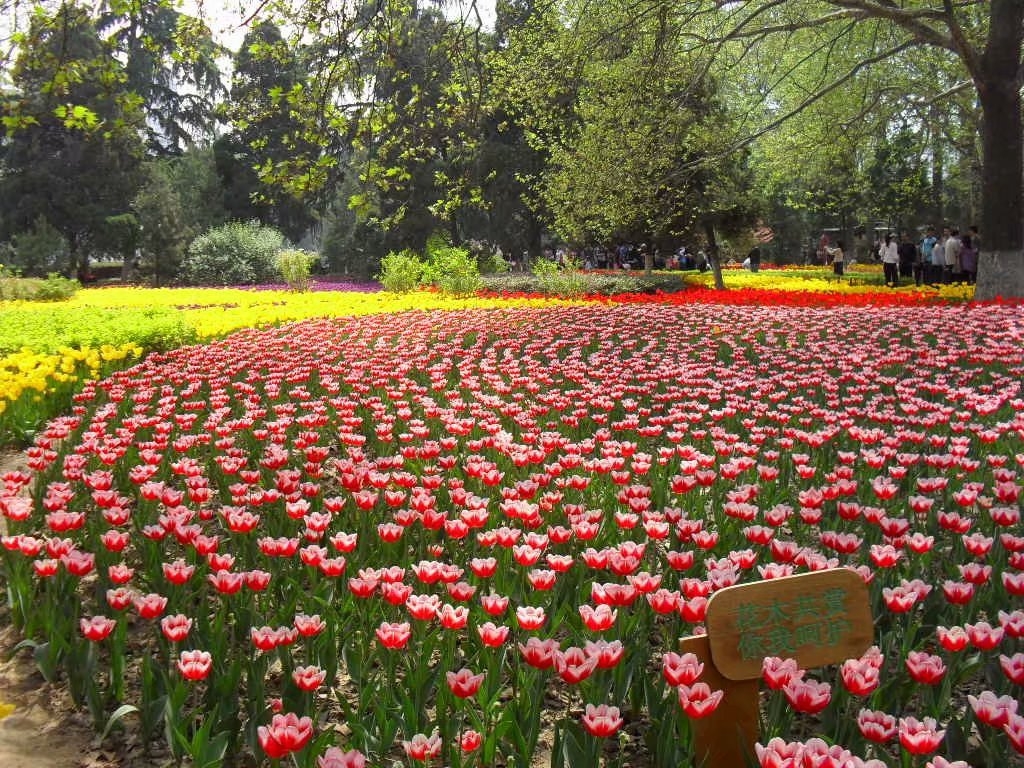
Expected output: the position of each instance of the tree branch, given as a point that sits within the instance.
(967, 52)
(912, 20)
(813, 98)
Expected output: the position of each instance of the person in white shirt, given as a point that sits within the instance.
(952, 254)
(891, 261)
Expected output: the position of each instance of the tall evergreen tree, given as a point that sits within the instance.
(171, 63)
(72, 150)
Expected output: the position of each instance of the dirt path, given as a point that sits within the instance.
(41, 731)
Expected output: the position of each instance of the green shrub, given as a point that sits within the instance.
(234, 254)
(41, 249)
(54, 288)
(454, 271)
(295, 266)
(401, 272)
(555, 280)
(493, 263)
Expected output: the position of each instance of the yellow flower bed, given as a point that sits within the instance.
(803, 279)
(30, 375)
(216, 311)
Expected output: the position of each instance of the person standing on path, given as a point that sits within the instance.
(969, 259)
(925, 254)
(891, 261)
(837, 256)
(908, 255)
(939, 259)
(952, 253)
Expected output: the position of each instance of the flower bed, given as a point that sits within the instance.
(450, 536)
(43, 345)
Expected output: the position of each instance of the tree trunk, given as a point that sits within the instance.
(1001, 262)
(938, 188)
(716, 265)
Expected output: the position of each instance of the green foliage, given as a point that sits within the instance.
(164, 231)
(53, 288)
(492, 263)
(120, 234)
(47, 330)
(555, 280)
(56, 287)
(401, 271)
(271, 168)
(40, 250)
(636, 132)
(592, 283)
(234, 254)
(193, 176)
(453, 271)
(295, 267)
(170, 63)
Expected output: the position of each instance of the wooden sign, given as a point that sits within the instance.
(816, 618)
(726, 737)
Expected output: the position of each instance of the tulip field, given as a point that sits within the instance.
(474, 536)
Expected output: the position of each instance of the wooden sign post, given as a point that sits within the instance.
(816, 618)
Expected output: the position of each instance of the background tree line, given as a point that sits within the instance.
(363, 128)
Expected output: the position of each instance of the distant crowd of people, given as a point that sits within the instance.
(948, 257)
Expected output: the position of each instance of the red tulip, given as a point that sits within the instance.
(176, 627)
(470, 741)
(698, 700)
(286, 734)
(150, 606)
(423, 747)
(919, 737)
(878, 727)
(925, 668)
(681, 669)
(807, 696)
(336, 758)
(492, 636)
(539, 653)
(394, 636)
(195, 665)
(464, 683)
(309, 678)
(97, 628)
(601, 721)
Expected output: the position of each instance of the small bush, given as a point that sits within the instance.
(234, 254)
(295, 267)
(54, 288)
(401, 272)
(454, 271)
(41, 249)
(493, 263)
(554, 280)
